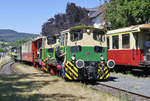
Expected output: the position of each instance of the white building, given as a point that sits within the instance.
(97, 15)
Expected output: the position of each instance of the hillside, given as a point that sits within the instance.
(12, 36)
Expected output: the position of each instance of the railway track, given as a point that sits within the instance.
(119, 92)
(8, 68)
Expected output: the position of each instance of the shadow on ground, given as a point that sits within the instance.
(17, 88)
(135, 71)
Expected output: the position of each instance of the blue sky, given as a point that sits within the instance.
(29, 15)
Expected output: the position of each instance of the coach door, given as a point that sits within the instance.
(147, 46)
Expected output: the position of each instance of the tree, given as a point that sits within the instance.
(19, 42)
(1, 50)
(122, 13)
(74, 16)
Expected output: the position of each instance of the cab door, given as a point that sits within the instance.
(147, 46)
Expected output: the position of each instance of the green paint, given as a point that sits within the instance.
(83, 54)
(45, 53)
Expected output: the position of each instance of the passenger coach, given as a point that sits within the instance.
(130, 45)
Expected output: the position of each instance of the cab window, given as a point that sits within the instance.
(51, 40)
(108, 42)
(98, 35)
(50, 50)
(99, 49)
(75, 49)
(62, 39)
(76, 35)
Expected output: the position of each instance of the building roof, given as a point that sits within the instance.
(94, 12)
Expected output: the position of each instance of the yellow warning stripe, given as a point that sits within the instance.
(45, 68)
(72, 70)
(101, 69)
(68, 72)
(68, 76)
(73, 66)
(107, 76)
(104, 74)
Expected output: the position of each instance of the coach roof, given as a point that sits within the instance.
(135, 28)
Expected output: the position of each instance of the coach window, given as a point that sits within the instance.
(125, 41)
(115, 40)
(108, 42)
(76, 35)
(136, 37)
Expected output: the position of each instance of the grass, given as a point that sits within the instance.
(32, 85)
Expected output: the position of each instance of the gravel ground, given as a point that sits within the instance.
(132, 84)
(7, 69)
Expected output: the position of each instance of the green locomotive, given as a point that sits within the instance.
(84, 54)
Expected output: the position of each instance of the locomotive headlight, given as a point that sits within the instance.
(80, 63)
(102, 57)
(111, 64)
(73, 58)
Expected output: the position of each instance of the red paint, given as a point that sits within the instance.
(37, 66)
(52, 71)
(126, 57)
(47, 66)
(58, 67)
(27, 56)
(36, 45)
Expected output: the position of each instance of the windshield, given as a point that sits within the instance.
(98, 35)
(76, 35)
(51, 40)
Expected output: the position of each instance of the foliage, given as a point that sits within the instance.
(82, 27)
(19, 42)
(74, 16)
(121, 13)
(2, 50)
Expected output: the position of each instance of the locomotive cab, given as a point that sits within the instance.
(48, 48)
(85, 54)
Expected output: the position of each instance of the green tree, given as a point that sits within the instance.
(2, 50)
(122, 13)
(19, 42)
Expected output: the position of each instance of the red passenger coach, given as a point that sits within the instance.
(36, 45)
(27, 51)
(130, 45)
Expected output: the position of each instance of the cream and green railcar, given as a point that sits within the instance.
(85, 54)
(47, 53)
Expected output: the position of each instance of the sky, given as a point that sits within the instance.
(29, 15)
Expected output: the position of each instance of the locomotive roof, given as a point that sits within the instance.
(54, 35)
(81, 27)
(135, 28)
